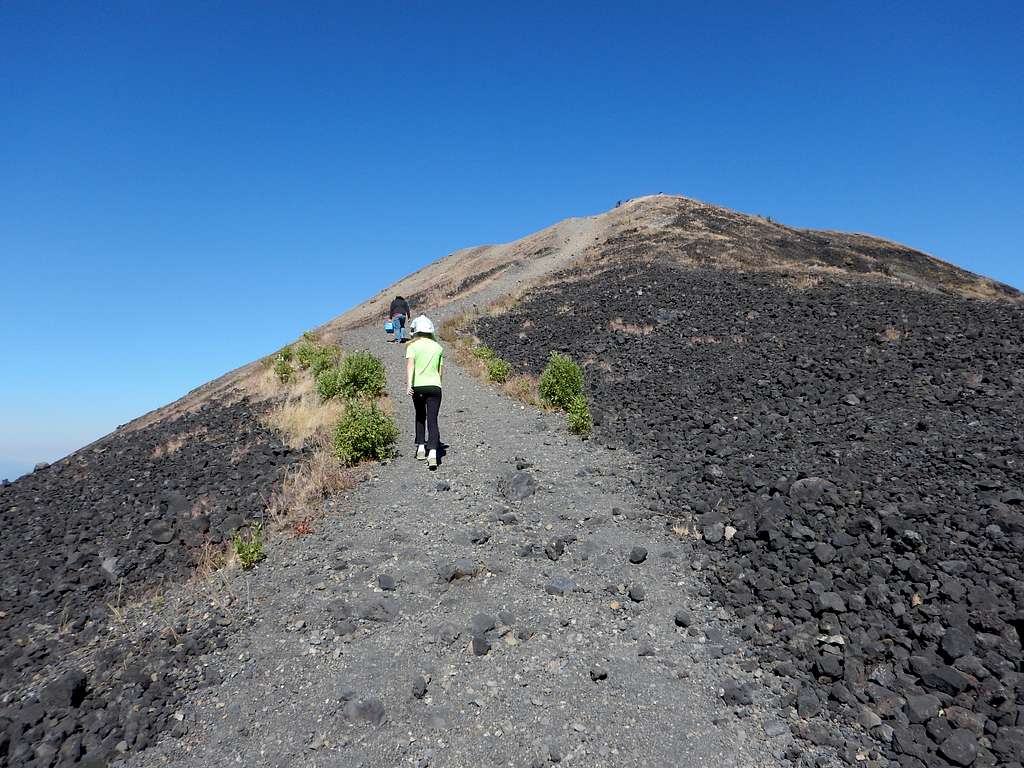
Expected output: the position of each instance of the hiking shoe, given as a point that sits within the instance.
(432, 459)
(421, 452)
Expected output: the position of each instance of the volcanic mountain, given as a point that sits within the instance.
(819, 432)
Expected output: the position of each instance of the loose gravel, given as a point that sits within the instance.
(430, 624)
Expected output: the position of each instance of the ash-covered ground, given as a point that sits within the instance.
(851, 453)
(124, 519)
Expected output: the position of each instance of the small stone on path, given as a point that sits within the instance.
(419, 687)
(637, 555)
(560, 586)
(480, 645)
(482, 623)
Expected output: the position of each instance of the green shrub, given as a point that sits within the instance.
(578, 416)
(314, 357)
(283, 369)
(249, 549)
(328, 383)
(498, 370)
(284, 353)
(324, 358)
(483, 352)
(305, 352)
(362, 375)
(364, 432)
(311, 337)
(561, 382)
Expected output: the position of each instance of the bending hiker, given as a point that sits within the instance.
(423, 369)
(399, 312)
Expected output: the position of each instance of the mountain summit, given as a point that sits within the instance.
(791, 533)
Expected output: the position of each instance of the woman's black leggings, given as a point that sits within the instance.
(427, 401)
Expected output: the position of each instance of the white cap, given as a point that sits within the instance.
(422, 324)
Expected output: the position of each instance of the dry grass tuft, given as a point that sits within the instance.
(263, 384)
(173, 445)
(685, 531)
(239, 451)
(617, 324)
(984, 288)
(735, 339)
(176, 443)
(211, 558)
(804, 282)
(451, 330)
(892, 333)
(303, 418)
(505, 303)
(309, 483)
(523, 387)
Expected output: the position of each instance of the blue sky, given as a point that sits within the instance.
(186, 186)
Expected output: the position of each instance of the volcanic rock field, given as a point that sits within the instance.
(124, 518)
(850, 454)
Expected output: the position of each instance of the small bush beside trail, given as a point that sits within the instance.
(561, 382)
(483, 352)
(364, 432)
(316, 358)
(328, 383)
(305, 351)
(324, 358)
(498, 370)
(284, 370)
(249, 549)
(362, 374)
(578, 416)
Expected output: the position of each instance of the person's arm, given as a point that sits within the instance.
(440, 367)
(410, 364)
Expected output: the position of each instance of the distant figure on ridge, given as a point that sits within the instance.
(423, 370)
(399, 312)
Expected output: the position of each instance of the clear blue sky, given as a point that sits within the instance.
(185, 186)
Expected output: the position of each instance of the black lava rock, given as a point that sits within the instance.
(480, 645)
(851, 454)
(132, 511)
(960, 748)
(736, 693)
(419, 687)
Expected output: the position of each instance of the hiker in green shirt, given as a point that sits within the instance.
(423, 369)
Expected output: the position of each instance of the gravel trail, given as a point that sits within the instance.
(487, 613)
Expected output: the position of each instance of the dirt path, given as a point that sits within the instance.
(332, 670)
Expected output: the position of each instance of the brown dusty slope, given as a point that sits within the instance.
(656, 227)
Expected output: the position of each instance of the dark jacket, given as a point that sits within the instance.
(399, 306)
